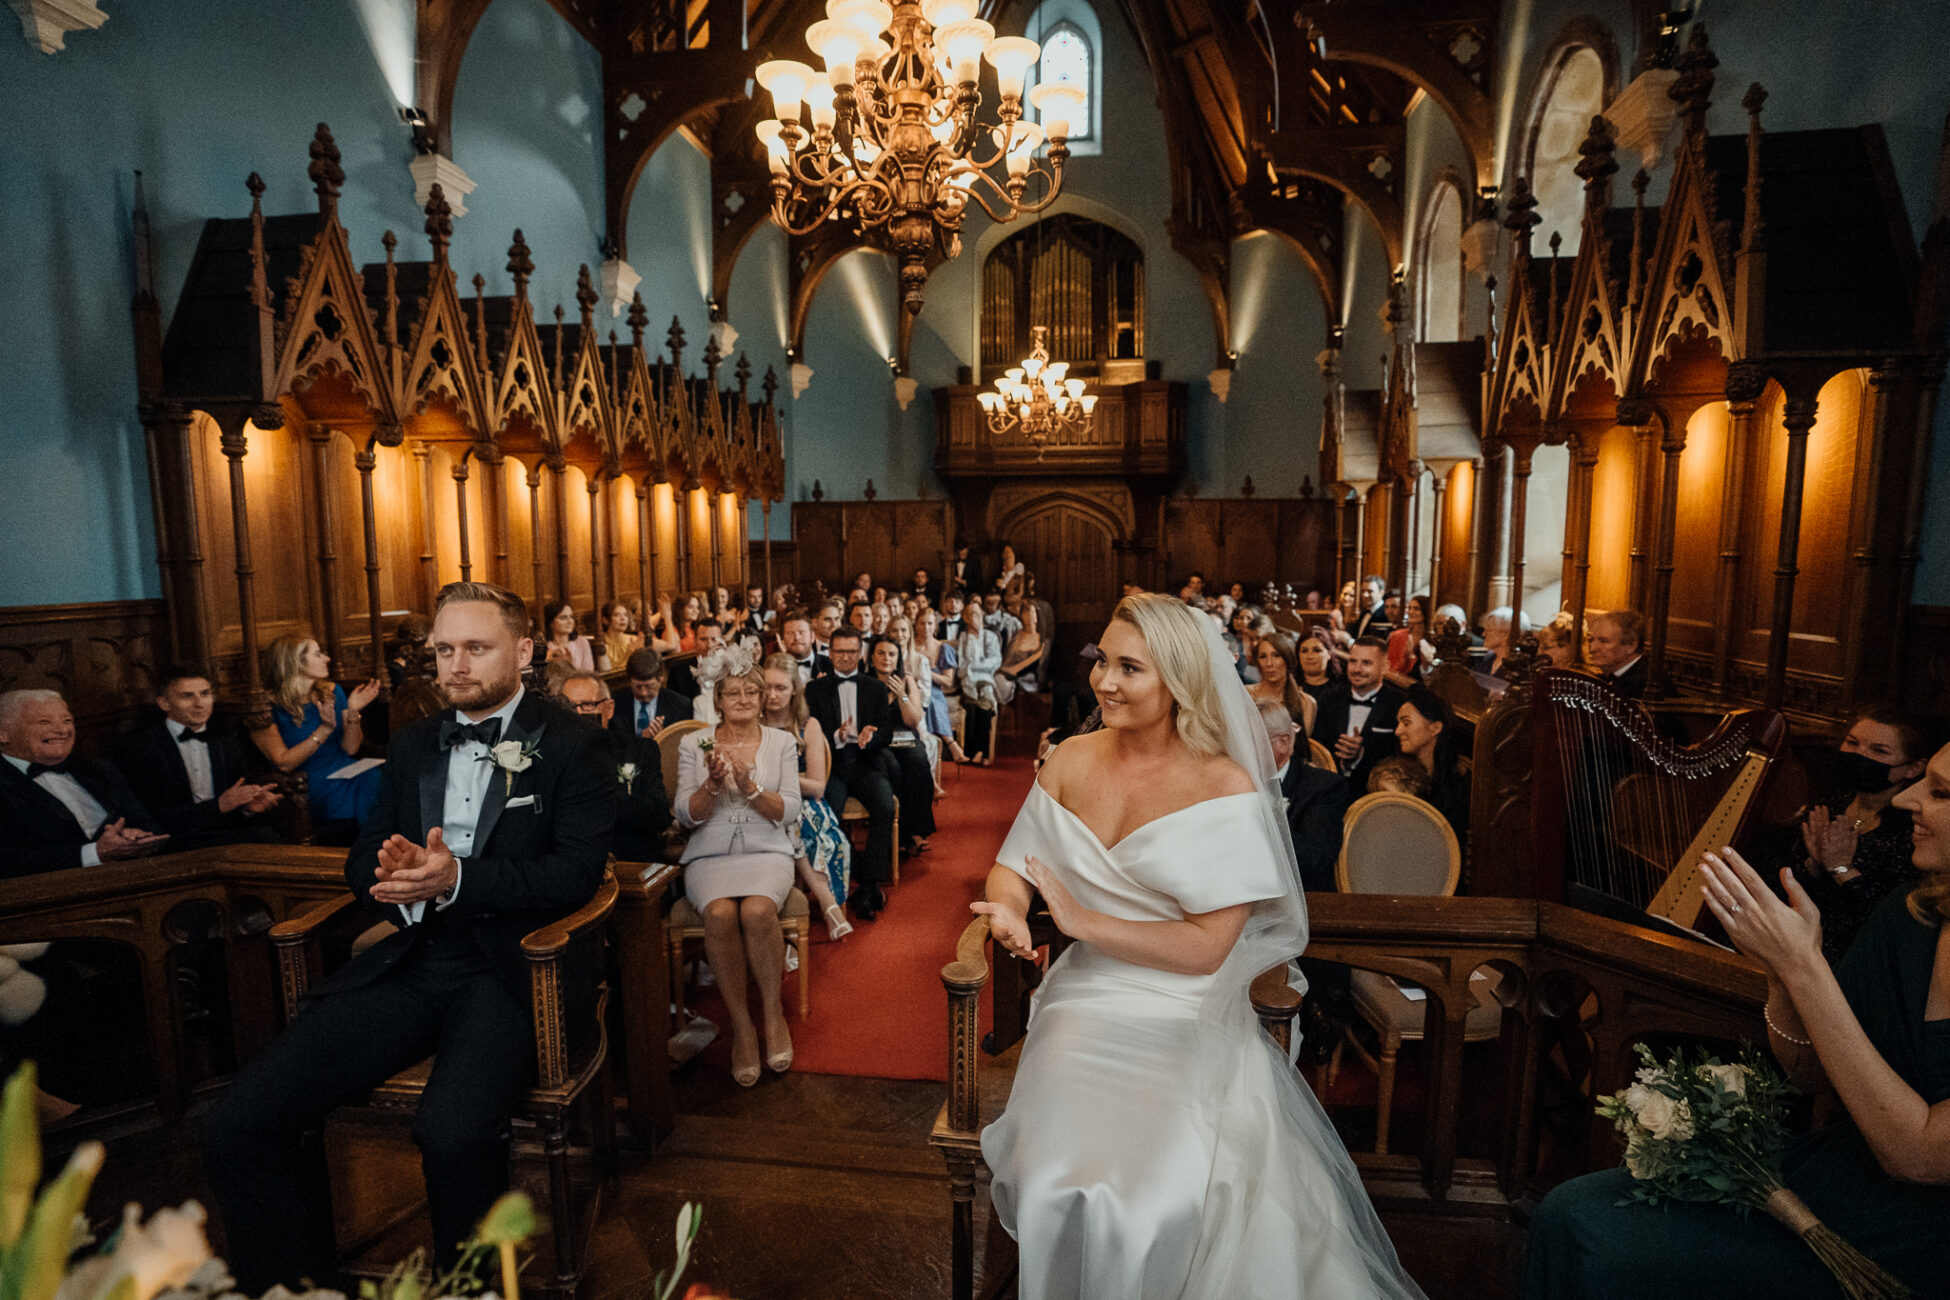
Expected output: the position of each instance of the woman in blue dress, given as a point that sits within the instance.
(822, 855)
(316, 728)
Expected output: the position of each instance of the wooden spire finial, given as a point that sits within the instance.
(1596, 166)
(559, 314)
(260, 283)
(326, 173)
(1692, 89)
(615, 370)
(1754, 224)
(389, 323)
(520, 265)
(676, 340)
(639, 319)
(1640, 179)
(586, 297)
(713, 354)
(480, 321)
(771, 384)
(440, 221)
(743, 372)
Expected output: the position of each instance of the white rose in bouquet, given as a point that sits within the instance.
(1732, 1078)
(1658, 1114)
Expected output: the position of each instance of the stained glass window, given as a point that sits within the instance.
(1066, 57)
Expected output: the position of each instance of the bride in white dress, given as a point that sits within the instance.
(1157, 1144)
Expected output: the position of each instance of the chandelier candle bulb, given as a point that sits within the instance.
(776, 155)
(964, 43)
(838, 44)
(869, 17)
(819, 104)
(1011, 57)
(940, 13)
(786, 80)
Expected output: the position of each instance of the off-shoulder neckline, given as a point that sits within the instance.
(1141, 826)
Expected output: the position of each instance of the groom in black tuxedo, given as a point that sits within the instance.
(857, 713)
(493, 819)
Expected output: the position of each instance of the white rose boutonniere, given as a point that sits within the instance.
(511, 756)
(627, 774)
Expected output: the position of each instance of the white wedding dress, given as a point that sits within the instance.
(1157, 1144)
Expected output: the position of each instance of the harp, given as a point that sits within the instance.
(1622, 815)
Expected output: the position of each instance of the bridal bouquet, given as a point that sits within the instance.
(1698, 1130)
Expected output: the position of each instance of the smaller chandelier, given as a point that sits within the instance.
(888, 141)
(1040, 397)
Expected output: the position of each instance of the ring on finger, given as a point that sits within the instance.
(1734, 908)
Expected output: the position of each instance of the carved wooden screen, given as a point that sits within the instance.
(1080, 278)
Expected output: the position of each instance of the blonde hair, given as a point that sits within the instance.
(783, 663)
(1171, 632)
(288, 682)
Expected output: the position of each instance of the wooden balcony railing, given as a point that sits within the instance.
(1139, 428)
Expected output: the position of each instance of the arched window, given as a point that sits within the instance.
(1081, 279)
(1571, 93)
(1439, 267)
(1072, 52)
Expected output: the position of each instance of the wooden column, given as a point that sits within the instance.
(682, 497)
(1412, 573)
(1439, 482)
(595, 548)
(1340, 540)
(609, 533)
(1744, 387)
(765, 509)
(364, 462)
(1922, 436)
(460, 511)
(1672, 445)
(1477, 598)
(561, 471)
(645, 576)
(257, 704)
(328, 558)
(1519, 507)
(1868, 532)
(429, 572)
(494, 516)
(1643, 517)
(535, 539)
(1799, 417)
(714, 528)
(1360, 556)
(1586, 461)
(1498, 592)
(176, 462)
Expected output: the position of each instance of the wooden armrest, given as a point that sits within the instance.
(1273, 997)
(299, 929)
(969, 971)
(549, 942)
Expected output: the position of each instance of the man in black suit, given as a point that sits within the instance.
(796, 639)
(1374, 617)
(191, 775)
(57, 810)
(648, 704)
(493, 819)
(643, 809)
(1614, 646)
(1316, 800)
(924, 585)
(1356, 719)
(966, 573)
(857, 713)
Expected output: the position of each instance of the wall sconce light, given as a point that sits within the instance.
(423, 141)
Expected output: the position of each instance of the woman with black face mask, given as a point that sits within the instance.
(1855, 848)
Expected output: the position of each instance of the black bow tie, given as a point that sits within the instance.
(454, 732)
(35, 769)
(845, 677)
(188, 736)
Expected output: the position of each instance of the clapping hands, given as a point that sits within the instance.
(1779, 935)
(408, 873)
(251, 798)
(362, 695)
(1829, 840)
(119, 842)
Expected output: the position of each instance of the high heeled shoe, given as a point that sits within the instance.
(745, 1076)
(780, 1062)
(837, 926)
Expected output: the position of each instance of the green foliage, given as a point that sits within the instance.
(38, 1259)
(1696, 1129)
(20, 1155)
(689, 1220)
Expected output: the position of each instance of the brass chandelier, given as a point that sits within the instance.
(888, 142)
(1039, 396)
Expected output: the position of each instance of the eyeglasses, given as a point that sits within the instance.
(588, 706)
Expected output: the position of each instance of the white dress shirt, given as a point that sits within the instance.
(88, 811)
(196, 761)
(849, 692)
(1359, 707)
(468, 774)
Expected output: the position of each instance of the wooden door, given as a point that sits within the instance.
(1068, 549)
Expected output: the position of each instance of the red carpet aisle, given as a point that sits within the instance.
(878, 1008)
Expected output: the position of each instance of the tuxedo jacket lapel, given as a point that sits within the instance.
(433, 782)
(50, 807)
(496, 798)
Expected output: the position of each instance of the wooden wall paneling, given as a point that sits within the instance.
(325, 529)
(346, 528)
(103, 658)
(870, 540)
(817, 534)
(578, 586)
(517, 509)
(396, 498)
(1691, 616)
(598, 548)
(625, 539)
(275, 478)
(1458, 514)
(1614, 511)
(425, 512)
(494, 516)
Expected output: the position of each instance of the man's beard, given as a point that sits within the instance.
(476, 696)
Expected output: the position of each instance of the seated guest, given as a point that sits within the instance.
(468, 859)
(979, 654)
(648, 704)
(1614, 645)
(859, 617)
(189, 774)
(965, 573)
(1023, 651)
(1005, 623)
(1556, 647)
(1399, 775)
(316, 728)
(883, 618)
(829, 617)
(856, 713)
(1279, 678)
(408, 639)
(937, 660)
(951, 605)
(1873, 1034)
(820, 852)
(741, 793)
(1320, 667)
(1391, 608)
(923, 585)
(711, 664)
(1012, 576)
(620, 639)
(642, 807)
(1502, 628)
(682, 620)
(1240, 638)
(796, 640)
(862, 588)
(759, 615)
(1425, 727)
(660, 628)
(1408, 645)
(1854, 847)
(1316, 799)
(913, 779)
(563, 638)
(1357, 720)
(57, 810)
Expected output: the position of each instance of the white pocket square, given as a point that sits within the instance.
(525, 801)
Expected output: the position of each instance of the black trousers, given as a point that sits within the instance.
(261, 1143)
(978, 730)
(861, 776)
(913, 780)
